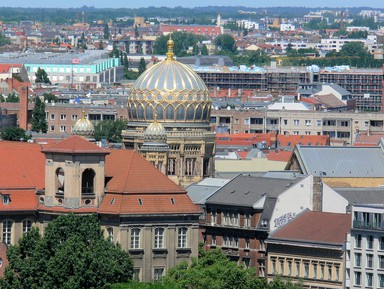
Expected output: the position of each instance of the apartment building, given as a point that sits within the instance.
(340, 126)
(365, 248)
(365, 85)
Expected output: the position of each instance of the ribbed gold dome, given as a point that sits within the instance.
(171, 90)
(155, 133)
(83, 127)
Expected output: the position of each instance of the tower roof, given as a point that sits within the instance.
(75, 145)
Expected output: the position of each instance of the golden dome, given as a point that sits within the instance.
(171, 90)
(155, 133)
(83, 127)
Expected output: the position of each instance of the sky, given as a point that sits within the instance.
(195, 3)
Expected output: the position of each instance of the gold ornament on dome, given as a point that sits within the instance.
(83, 127)
(172, 90)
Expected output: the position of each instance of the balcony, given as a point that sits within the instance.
(368, 225)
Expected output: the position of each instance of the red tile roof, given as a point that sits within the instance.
(292, 140)
(279, 156)
(317, 227)
(20, 200)
(148, 204)
(131, 173)
(22, 165)
(75, 145)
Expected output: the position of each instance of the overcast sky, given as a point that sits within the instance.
(173, 3)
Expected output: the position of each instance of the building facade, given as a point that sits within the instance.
(365, 248)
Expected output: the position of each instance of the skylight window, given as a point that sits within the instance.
(6, 199)
(140, 202)
(172, 201)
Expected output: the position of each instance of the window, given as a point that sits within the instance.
(380, 281)
(321, 272)
(306, 270)
(135, 238)
(213, 240)
(246, 262)
(213, 218)
(6, 199)
(358, 241)
(308, 122)
(297, 268)
(357, 259)
(295, 132)
(318, 122)
(289, 273)
(369, 260)
(52, 128)
(369, 279)
(247, 220)
(314, 271)
(337, 277)
(52, 116)
(7, 232)
(172, 167)
(136, 276)
(329, 273)
(282, 267)
(296, 122)
(27, 226)
(357, 278)
(158, 274)
(159, 238)
(285, 121)
(381, 262)
(261, 269)
(110, 234)
(74, 116)
(182, 238)
(62, 128)
(370, 242)
(247, 243)
(381, 243)
(190, 166)
(273, 269)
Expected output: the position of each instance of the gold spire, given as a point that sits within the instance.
(170, 44)
(83, 117)
(155, 118)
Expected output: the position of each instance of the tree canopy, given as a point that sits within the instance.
(72, 253)
(39, 123)
(4, 40)
(110, 130)
(14, 134)
(42, 76)
(182, 40)
(226, 43)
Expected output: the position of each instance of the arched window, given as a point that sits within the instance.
(182, 237)
(60, 178)
(7, 232)
(135, 238)
(159, 238)
(87, 182)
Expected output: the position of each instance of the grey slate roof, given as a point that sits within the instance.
(199, 192)
(362, 195)
(245, 190)
(354, 162)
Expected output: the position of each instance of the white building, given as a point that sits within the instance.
(365, 248)
(287, 27)
(247, 24)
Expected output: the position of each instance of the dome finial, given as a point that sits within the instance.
(83, 116)
(155, 117)
(170, 45)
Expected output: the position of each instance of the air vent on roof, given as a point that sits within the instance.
(172, 201)
(112, 201)
(140, 202)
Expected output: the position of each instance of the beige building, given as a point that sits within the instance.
(310, 249)
(175, 98)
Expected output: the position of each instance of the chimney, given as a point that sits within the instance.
(23, 108)
(317, 193)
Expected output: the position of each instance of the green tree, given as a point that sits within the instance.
(110, 130)
(14, 134)
(182, 42)
(41, 76)
(142, 65)
(39, 123)
(72, 254)
(106, 31)
(12, 98)
(4, 40)
(195, 50)
(125, 62)
(226, 43)
(204, 50)
(50, 97)
(137, 34)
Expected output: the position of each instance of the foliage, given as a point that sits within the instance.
(366, 22)
(110, 130)
(42, 76)
(106, 31)
(50, 97)
(182, 42)
(11, 98)
(358, 35)
(142, 65)
(141, 285)
(14, 134)
(39, 123)
(226, 43)
(258, 57)
(115, 52)
(72, 254)
(204, 50)
(4, 40)
(301, 52)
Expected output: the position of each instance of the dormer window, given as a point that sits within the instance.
(6, 199)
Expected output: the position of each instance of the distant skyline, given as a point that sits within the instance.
(195, 3)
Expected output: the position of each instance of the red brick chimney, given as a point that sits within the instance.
(23, 111)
